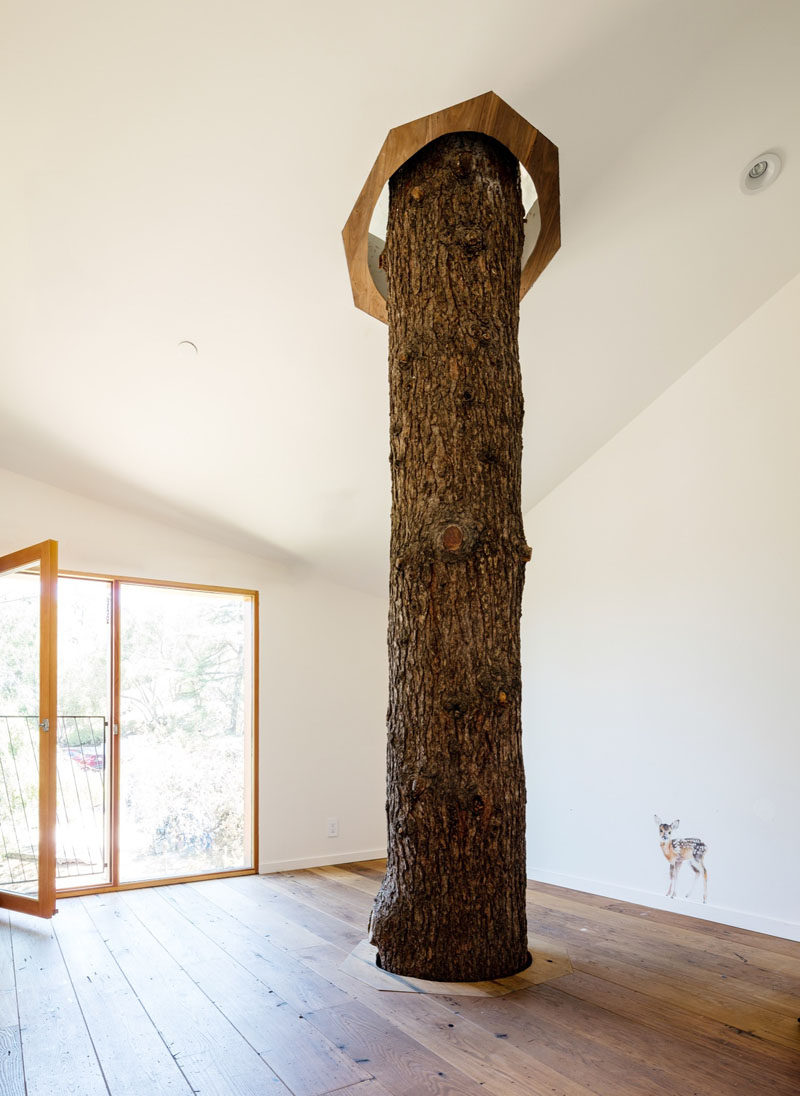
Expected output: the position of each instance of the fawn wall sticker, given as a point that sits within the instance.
(676, 850)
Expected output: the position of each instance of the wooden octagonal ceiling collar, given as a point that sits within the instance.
(487, 114)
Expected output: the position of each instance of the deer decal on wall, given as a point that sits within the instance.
(678, 850)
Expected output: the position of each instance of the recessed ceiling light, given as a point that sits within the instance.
(187, 347)
(760, 173)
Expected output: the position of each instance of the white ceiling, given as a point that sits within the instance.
(178, 169)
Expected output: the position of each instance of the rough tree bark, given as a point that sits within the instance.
(452, 903)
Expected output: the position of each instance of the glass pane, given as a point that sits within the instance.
(185, 767)
(83, 775)
(19, 733)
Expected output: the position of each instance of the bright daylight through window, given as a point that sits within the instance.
(155, 735)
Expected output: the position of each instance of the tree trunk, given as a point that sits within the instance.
(452, 903)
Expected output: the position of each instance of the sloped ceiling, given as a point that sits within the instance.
(182, 171)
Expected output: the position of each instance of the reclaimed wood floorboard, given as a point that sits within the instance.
(212, 1054)
(306, 1062)
(58, 1054)
(12, 1082)
(132, 1054)
(461, 1045)
(234, 988)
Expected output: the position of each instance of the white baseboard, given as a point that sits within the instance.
(740, 919)
(269, 866)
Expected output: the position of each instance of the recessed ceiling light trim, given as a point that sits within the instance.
(760, 173)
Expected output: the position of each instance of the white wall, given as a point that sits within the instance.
(323, 665)
(661, 634)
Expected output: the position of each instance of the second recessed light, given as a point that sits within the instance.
(760, 173)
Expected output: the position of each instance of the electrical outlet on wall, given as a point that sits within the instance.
(333, 827)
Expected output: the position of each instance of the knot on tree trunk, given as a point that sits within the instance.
(406, 353)
(481, 331)
(452, 538)
(488, 455)
(457, 706)
(499, 686)
(471, 240)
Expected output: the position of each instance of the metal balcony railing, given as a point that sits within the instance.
(81, 794)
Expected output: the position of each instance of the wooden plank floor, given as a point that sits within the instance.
(233, 988)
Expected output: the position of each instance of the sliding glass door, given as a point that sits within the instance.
(28, 728)
(186, 698)
(144, 768)
(156, 733)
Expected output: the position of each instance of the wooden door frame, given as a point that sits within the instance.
(45, 554)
